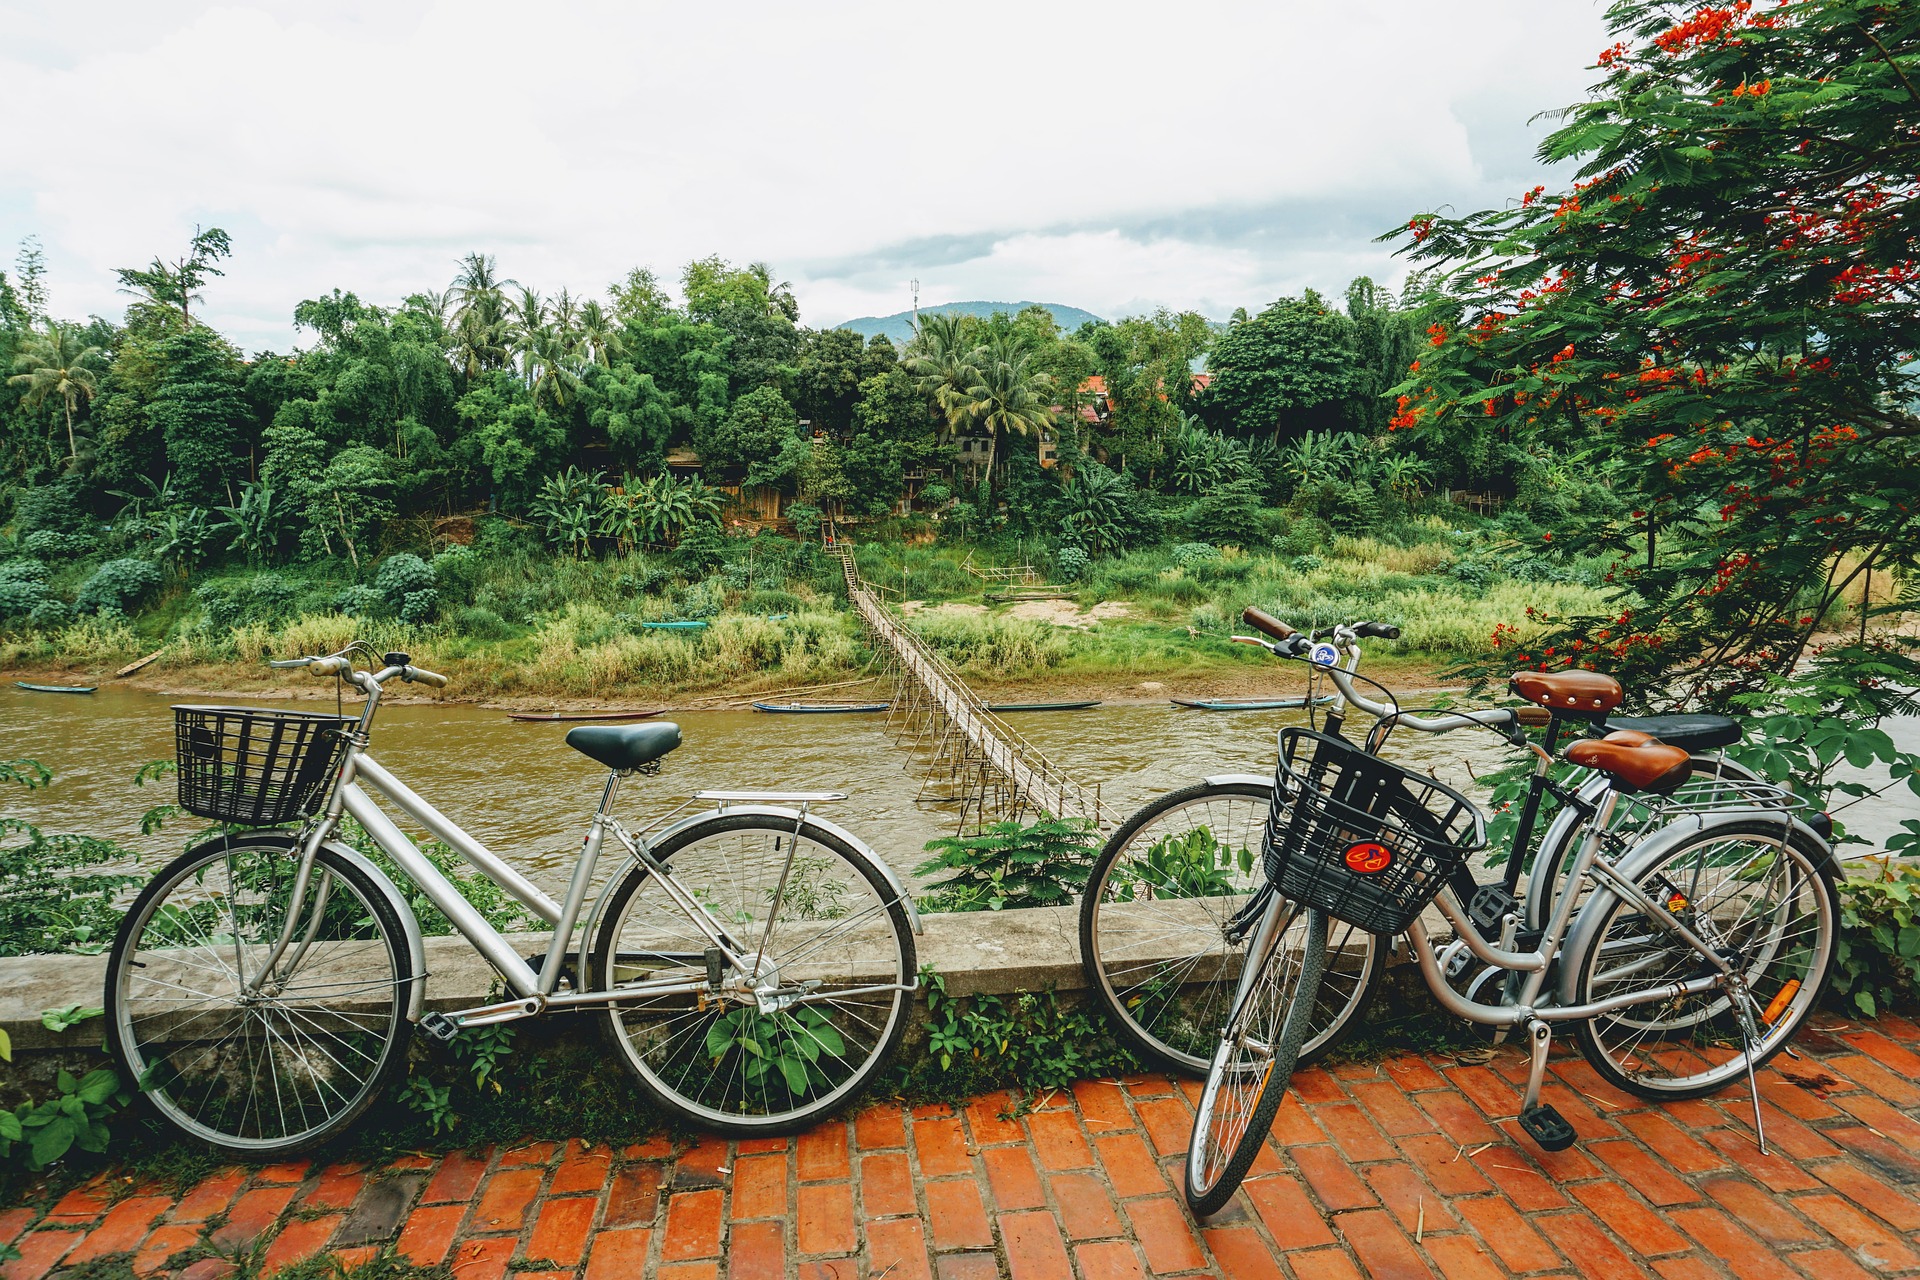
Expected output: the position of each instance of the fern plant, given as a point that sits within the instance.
(1010, 864)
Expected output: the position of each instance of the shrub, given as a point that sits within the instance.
(481, 623)
(118, 584)
(767, 602)
(806, 520)
(45, 544)
(419, 606)
(264, 598)
(360, 601)
(23, 571)
(1009, 865)
(457, 571)
(400, 576)
(51, 614)
(642, 578)
(19, 598)
(1071, 563)
(1188, 553)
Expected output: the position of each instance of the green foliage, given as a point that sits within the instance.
(1878, 957)
(19, 598)
(75, 1119)
(263, 599)
(1289, 367)
(787, 1046)
(1070, 563)
(1009, 864)
(119, 585)
(1029, 1039)
(51, 896)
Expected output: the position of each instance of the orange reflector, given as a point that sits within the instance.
(1778, 1005)
(1369, 858)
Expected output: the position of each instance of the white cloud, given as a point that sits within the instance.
(1096, 154)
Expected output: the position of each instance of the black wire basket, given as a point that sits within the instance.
(1361, 838)
(253, 767)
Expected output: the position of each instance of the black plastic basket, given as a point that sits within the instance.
(1361, 838)
(258, 768)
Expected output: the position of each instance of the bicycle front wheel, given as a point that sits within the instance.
(258, 1063)
(1768, 908)
(1256, 1055)
(1154, 928)
(810, 1016)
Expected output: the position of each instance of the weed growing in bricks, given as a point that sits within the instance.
(1028, 1039)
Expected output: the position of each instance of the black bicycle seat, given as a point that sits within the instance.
(1689, 730)
(624, 746)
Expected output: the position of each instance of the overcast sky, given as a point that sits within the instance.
(1112, 156)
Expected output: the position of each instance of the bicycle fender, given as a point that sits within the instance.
(1656, 846)
(409, 925)
(1239, 779)
(860, 847)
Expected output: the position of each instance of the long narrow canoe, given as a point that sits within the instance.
(695, 624)
(582, 715)
(55, 688)
(819, 708)
(1042, 706)
(1250, 704)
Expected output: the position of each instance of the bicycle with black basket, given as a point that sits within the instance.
(1168, 901)
(1684, 963)
(753, 964)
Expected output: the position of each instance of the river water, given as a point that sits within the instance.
(527, 796)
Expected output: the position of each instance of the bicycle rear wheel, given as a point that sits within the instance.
(834, 967)
(258, 1065)
(1154, 928)
(1772, 911)
(1256, 1055)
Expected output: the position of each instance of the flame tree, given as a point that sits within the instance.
(1719, 317)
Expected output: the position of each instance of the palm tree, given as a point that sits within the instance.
(478, 297)
(1008, 395)
(55, 363)
(599, 335)
(941, 362)
(529, 323)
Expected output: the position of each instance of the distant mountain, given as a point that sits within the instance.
(899, 326)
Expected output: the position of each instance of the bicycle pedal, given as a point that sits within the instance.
(440, 1026)
(1547, 1127)
(1490, 905)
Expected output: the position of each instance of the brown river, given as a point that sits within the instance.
(526, 795)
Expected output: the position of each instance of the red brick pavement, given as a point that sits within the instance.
(1407, 1167)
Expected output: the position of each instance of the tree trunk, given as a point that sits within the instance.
(72, 452)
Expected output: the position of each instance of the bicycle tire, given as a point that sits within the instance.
(687, 1084)
(1177, 1034)
(306, 1044)
(1206, 1193)
(1698, 1031)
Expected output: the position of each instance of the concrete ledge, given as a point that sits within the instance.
(978, 953)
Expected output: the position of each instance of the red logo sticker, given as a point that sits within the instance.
(1369, 858)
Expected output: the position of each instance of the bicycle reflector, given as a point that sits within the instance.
(1369, 858)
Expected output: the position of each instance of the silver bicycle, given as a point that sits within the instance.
(1685, 964)
(755, 963)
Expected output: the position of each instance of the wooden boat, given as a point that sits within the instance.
(582, 715)
(137, 663)
(1250, 704)
(1042, 706)
(55, 688)
(819, 708)
(693, 624)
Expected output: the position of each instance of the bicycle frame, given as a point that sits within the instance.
(533, 992)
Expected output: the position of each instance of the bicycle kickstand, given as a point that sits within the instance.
(1748, 1042)
(1542, 1122)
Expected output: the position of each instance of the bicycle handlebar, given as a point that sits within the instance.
(1260, 620)
(340, 663)
(1363, 630)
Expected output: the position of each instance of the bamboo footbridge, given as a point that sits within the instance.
(973, 758)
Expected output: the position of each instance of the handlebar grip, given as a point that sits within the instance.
(1260, 620)
(423, 676)
(285, 663)
(1380, 630)
(1533, 717)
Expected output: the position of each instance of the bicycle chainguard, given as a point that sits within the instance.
(1547, 1127)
